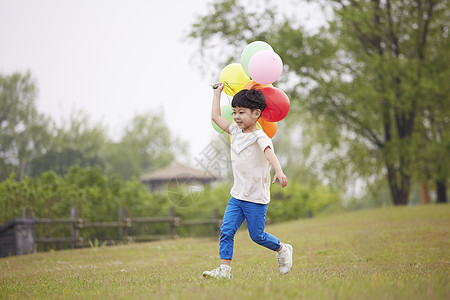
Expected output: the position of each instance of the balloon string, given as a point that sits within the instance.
(228, 86)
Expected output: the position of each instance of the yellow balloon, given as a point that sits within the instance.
(234, 77)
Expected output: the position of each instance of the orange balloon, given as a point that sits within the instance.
(270, 128)
(256, 86)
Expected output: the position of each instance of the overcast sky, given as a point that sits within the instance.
(112, 59)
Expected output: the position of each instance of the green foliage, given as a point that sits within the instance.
(75, 142)
(23, 131)
(297, 201)
(96, 244)
(95, 196)
(98, 197)
(376, 195)
(146, 145)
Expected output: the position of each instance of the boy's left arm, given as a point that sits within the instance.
(279, 175)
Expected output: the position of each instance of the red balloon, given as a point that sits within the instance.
(277, 104)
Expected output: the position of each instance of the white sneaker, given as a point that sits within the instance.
(220, 272)
(285, 259)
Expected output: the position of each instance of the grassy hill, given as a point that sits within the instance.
(392, 253)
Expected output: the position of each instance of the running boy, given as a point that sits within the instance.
(251, 157)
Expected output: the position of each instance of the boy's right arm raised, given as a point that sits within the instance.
(216, 115)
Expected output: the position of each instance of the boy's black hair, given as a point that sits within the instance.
(253, 99)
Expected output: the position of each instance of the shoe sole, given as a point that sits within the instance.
(207, 276)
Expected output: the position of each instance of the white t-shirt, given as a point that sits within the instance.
(251, 169)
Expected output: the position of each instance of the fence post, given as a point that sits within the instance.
(75, 233)
(172, 221)
(121, 220)
(216, 223)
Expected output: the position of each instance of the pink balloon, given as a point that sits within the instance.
(265, 67)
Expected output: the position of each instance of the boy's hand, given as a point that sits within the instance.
(281, 178)
(216, 114)
(218, 87)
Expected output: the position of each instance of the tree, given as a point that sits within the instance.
(75, 142)
(373, 80)
(145, 146)
(23, 131)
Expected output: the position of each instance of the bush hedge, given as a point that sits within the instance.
(98, 197)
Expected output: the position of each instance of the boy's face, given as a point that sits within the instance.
(245, 118)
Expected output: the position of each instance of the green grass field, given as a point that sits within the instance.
(392, 253)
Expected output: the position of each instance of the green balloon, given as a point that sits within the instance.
(226, 111)
(251, 50)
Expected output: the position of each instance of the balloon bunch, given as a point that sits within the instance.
(260, 67)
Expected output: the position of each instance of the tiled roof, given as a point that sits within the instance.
(178, 171)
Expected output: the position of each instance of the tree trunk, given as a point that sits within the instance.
(399, 185)
(22, 167)
(441, 191)
(424, 196)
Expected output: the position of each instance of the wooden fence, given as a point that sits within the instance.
(77, 225)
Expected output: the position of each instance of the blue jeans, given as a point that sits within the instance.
(255, 214)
